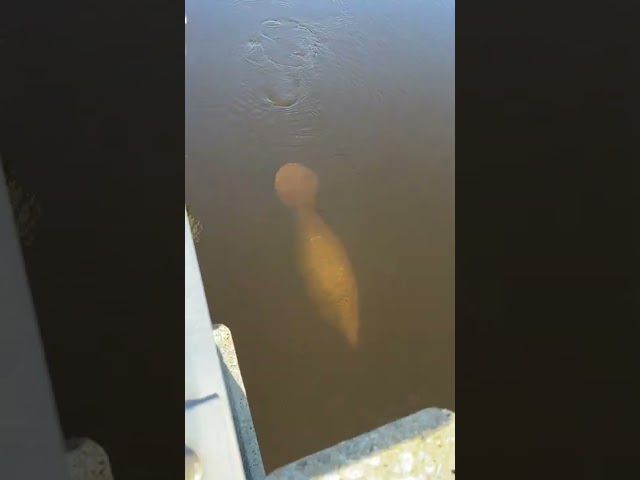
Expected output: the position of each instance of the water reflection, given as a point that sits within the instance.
(322, 258)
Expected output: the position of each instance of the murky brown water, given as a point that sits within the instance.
(362, 94)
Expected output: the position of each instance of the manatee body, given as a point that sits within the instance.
(322, 259)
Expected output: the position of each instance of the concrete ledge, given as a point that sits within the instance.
(245, 430)
(87, 460)
(418, 447)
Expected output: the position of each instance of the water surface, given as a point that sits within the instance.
(362, 94)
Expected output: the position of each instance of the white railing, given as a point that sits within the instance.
(31, 445)
(209, 427)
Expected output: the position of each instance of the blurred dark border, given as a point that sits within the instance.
(546, 238)
(546, 250)
(92, 124)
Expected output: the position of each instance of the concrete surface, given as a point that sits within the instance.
(418, 447)
(196, 226)
(239, 404)
(26, 208)
(86, 460)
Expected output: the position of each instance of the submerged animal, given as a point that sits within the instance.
(322, 258)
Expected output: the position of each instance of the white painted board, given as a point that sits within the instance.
(31, 445)
(209, 427)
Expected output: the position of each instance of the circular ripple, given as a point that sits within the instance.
(288, 43)
(284, 91)
(284, 51)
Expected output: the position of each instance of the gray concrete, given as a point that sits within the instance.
(418, 447)
(196, 226)
(26, 208)
(86, 460)
(239, 404)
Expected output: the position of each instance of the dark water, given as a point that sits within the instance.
(361, 93)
